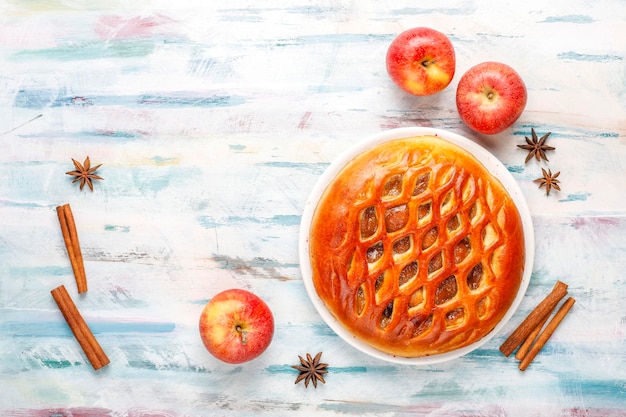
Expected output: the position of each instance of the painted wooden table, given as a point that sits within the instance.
(213, 121)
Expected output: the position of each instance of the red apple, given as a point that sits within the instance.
(490, 97)
(236, 326)
(421, 61)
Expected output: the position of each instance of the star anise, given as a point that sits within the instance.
(536, 146)
(549, 181)
(311, 370)
(85, 173)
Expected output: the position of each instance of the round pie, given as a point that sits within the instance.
(416, 248)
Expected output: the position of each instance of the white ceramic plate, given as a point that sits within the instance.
(489, 161)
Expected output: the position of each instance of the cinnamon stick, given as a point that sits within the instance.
(523, 349)
(70, 237)
(534, 318)
(94, 352)
(547, 332)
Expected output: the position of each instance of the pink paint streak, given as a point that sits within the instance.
(421, 410)
(595, 222)
(62, 412)
(304, 121)
(593, 412)
(88, 412)
(116, 27)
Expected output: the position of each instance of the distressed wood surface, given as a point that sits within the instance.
(213, 122)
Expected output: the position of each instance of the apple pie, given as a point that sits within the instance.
(416, 248)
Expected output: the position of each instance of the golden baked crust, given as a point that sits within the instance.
(416, 248)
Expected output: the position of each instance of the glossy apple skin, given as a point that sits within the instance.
(236, 326)
(421, 61)
(490, 97)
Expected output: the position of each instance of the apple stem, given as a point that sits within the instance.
(243, 333)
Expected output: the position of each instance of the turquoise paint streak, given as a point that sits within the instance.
(115, 134)
(190, 101)
(279, 220)
(575, 56)
(516, 169)
(114, 228)
(7, 203)
(122, 135)
(88, 50)
(600, 389)
(316, 168)
(31, 271)
(161, 160)
(41, 98)
(150, 179)
(576, 197)
(287, 369)
(134, 327)
(567, 132)
(55, 329)
(52, 364)
(574, 18)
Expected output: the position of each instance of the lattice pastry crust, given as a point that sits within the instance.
(416, 248)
